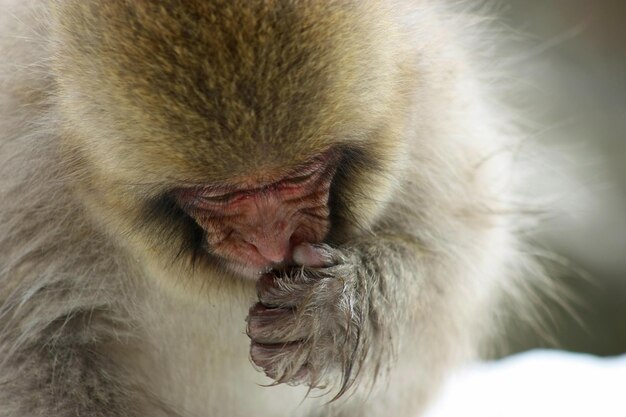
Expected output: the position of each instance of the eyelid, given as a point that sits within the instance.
(217, 197)
(222, 194)
(208, 197)
(310, 172)
(223, 198)
(301, 179)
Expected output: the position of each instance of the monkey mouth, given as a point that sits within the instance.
(254, 271)
(251, 272)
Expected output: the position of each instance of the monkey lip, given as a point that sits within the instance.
(248, 271)
(254, 267)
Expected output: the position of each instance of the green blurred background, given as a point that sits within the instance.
(573, 62)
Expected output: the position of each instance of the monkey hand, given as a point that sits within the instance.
(310, 326)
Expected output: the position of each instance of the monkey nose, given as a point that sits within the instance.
(276, 250)
(274, 255)
(273, 243)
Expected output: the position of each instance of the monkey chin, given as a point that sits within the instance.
(250, 265)
(247, 271)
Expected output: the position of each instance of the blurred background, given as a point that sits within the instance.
(573, 62)
(571, 65)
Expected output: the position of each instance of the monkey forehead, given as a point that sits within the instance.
(243, 78)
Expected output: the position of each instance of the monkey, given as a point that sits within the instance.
(232, 208)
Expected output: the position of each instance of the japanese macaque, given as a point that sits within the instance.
(235, 208)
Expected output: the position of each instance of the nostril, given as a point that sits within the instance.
(295, 240)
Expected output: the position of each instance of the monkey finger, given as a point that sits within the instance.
(313, 256)
(274, 325)
(281, 362)
(299, 377)
(285, 291)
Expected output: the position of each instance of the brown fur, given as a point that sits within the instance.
(110, 305)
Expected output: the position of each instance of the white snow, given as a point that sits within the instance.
(537, 384)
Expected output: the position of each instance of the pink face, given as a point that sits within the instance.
(257, 226)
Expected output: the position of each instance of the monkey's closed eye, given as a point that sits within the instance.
(318, 168)
(301, 179)
(210, 198)
(218, 199)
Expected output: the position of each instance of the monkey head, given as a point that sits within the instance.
(228, 141)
